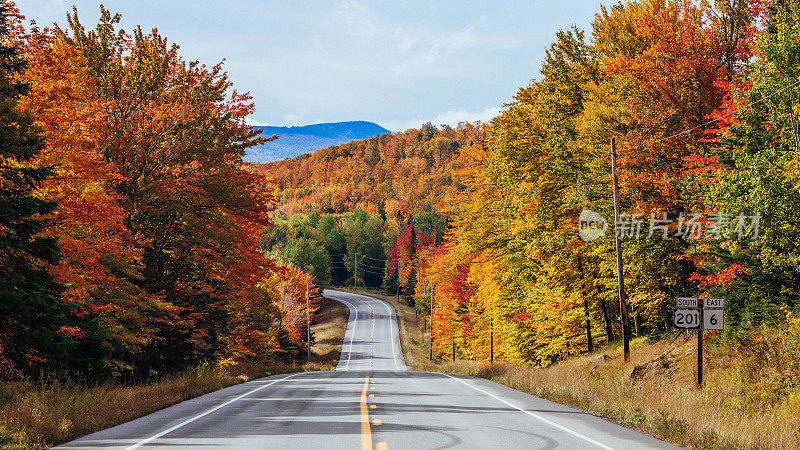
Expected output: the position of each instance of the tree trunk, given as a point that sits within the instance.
(607, 320)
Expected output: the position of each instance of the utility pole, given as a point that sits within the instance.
(431, 320)
(623, 307)
(589, 342)
(491, 338)
(398, 281)
(355, 272)
(308, 319)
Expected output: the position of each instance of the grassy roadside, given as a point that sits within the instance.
(654, 392)
(46, 415)
(34, 417)
(329, 333)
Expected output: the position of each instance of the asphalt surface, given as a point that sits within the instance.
(371, 401)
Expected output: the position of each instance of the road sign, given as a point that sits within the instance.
(687, 318)
(713, 319)
(686, 302)
(713, 303)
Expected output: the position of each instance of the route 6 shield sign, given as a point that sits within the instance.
(713, 319)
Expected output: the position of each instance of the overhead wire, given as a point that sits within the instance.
(369, 257)
(359, 255)
(360, 269)
(360, 264)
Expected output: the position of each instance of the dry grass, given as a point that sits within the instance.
(663, 400)
(49, 414)
(329, 332)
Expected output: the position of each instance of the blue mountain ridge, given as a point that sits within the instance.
(294, 141)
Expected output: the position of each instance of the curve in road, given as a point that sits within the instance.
(371, 401)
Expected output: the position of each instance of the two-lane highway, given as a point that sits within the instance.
(371, 341)
(371, 401)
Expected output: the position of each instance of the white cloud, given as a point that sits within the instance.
(422, 52)
(291, 120)
(356, 19)
(253, 123)
(452, 118)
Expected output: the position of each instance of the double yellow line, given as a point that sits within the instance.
(366, 431)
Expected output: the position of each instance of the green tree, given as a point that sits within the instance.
(34, 326)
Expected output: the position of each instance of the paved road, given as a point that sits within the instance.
(371, 341)
(370, 401)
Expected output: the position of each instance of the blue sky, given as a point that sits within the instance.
(398, 64)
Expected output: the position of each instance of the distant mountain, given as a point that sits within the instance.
(294, 141)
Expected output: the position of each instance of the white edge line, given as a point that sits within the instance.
(534, 415)
(186, 422)
(391, 334)
(352, 334)
(353, 329)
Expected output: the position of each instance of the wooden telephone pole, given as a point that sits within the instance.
(398, 281)
(491, 339)
(623, 304)
(308, 320)
(431, 320)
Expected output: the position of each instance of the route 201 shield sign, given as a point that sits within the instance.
(687, 318)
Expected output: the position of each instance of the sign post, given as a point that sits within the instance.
(699, 314)
(700, 349)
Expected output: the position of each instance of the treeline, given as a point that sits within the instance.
(354, 248)
(701, 98)
(392, 174)
(129, 227)
(343, 209)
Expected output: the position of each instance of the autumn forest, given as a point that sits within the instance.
(479, 224)
(135, 242)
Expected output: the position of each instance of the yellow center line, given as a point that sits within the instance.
(382, 446)
(366, 433)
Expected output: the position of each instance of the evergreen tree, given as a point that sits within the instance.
(33, 330)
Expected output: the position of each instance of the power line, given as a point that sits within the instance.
(360, 269)
(369, 257)
(748, 106)
(360, 264)
(360, 255)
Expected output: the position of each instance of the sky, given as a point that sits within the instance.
(398, 64)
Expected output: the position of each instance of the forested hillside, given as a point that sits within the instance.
(387, 174)
(297, 140)
(129, 227)
(359, 197)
